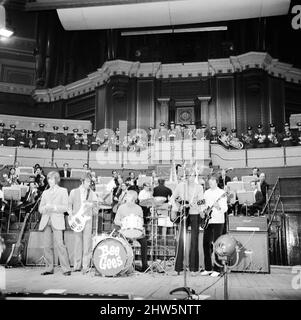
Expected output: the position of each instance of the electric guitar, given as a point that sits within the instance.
(78, 221)
(183, 204)
(208, 212)
(15, 256)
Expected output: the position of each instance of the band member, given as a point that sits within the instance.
(259, 201)
(11, 137)
(21, 139)
(223, 179)
(78, 197)
(216, 224)
(202, 133)
(54, 139)
(161, 190)
(94, 140)
(54, 203)
(223, 138)
(273, 139)
(65, 173)
(65, 139)
(298, 135)
(131, 208)
(263, 186)
(85, 145)
(132, 182)
(249, 138)
(260, 137)
(30, 141)
(213, 137)
(41, 137)
(287, 136)
(184, 203)
(2, 134)
(75, 140)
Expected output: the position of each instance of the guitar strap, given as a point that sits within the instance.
(88, 193)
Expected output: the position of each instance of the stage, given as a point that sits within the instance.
(154, 286)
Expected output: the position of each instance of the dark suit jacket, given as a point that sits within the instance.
(259, 200)
(61, 172)
(221, 181)
(162, 191)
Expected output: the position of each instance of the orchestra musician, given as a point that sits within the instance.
(131, 208)
(54, 203)
(41, 137)
(260, 137)
(263, 186)
(259, 201)
(223, 179)
(132, 182)
(65, 139)
(287, 136)
(83, 195)
(273, 139)
(2, 134)
(65, 173)
(223, 138)
(119, 197)
(216, 224)
(184, 201)
(298, 134)
(249, 138)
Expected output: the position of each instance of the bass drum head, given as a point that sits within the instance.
(112, 257)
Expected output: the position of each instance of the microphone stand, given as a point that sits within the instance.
(190, 292)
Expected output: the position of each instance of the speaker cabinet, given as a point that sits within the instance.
(35, 248)
(254, 251)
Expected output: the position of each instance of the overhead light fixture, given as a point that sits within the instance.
(4, 31)
(180, 30)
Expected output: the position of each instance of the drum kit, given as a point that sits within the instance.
(113, 255)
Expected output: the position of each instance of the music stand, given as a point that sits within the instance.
(144, 179)
(11, 194)
(24, 177)
(246, 198)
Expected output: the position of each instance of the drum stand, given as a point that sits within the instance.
(154, 264)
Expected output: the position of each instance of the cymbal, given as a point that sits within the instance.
(104, 207)
(159, 200)
(150, 202)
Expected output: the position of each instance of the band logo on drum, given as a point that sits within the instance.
(110, 257)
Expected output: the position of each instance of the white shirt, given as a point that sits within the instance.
(144, 194)
(111, 185)
(83, 194)
(210, 196)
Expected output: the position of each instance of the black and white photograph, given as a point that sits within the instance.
(150, 151)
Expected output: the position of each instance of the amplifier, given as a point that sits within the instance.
(254, 251)
(246, 223)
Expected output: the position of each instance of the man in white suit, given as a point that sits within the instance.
(83, 240)
(54, 203)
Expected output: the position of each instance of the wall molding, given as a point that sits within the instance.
(213, 67)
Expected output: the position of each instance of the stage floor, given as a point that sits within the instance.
(247, 286)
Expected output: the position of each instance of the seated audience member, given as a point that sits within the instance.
(65, 173)
(257, 205)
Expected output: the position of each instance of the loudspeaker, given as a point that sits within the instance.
(35, 248)
(254, 251)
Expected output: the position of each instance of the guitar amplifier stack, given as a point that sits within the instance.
(251, 233)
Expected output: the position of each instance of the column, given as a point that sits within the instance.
(205, 110)
(162, 111)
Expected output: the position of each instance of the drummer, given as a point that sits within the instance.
(144, 194)
(131, 208)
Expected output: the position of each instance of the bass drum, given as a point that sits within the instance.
(113, 257)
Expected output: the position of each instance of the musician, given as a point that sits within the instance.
(11, 137)
(21, 139)
(115, 139)
(105, 142)
(2, 134)
(223, 138)
(113, 183)
(263, 186)
(249, 138)
(119, 196)
(83, 240)
(41, 137)
(259, 201)
(187, 193)
(30, 141)
(287, 138)
(129, 208)
(161, 190)
(132, 182)
(223, 179)
(273, 139)
(65, 139)
(31, 196)
(216, 224)
(260, 137)
(75, 140)
(54, 203)
(65, 173)
(233, 140)
(144, 194)
(213, 137)
(94, 140)
(255, 173)
(202, 133)
(154, 179)
(298, 135)
(85, 145)
(40, 178)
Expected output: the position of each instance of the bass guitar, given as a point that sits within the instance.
(78, 221)
(208, 212)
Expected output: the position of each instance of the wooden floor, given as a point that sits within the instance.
(246, 286)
